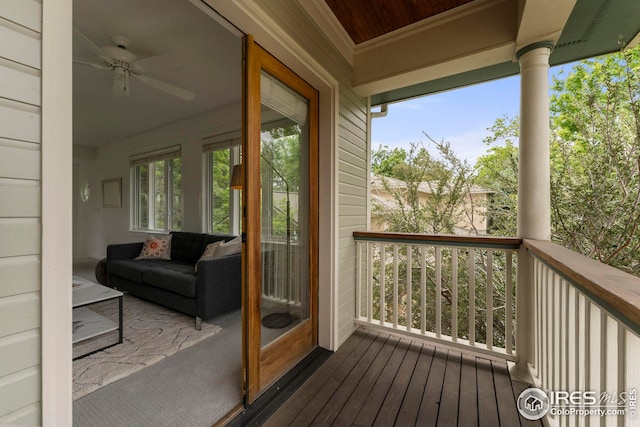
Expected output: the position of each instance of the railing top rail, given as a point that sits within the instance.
(440, 239)
(616, 291)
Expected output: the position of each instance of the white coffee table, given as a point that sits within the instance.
(86, 322)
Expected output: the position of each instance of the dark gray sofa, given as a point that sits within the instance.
(214, 289)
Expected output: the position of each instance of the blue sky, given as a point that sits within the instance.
(459, 116)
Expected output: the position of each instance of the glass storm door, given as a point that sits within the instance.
(281, 218)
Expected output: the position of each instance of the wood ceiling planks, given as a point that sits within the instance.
(366, 19)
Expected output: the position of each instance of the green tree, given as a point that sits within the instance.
(497, 170)
(595, 161)
(384, 160)
(595, 187)
(220, 177)
(446, 178)
(449, 181)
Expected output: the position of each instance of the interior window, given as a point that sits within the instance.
(222, 205)
(156, 190)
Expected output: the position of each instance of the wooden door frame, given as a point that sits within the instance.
(262, 366)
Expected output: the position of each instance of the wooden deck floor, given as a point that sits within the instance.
(379, 380)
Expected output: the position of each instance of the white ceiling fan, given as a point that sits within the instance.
(123, 63)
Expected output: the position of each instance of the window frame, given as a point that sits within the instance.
(152, 159)
(233, 143)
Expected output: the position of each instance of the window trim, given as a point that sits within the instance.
(233, 142)
(151, 158)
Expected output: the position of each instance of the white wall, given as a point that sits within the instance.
(96, 227)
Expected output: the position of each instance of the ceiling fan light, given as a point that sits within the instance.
(121, 82)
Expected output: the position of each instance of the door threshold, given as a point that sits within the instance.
(272, 398)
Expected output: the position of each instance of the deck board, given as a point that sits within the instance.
(376, 379)
(341, 396)
(351, 409)
(428, 412)
(413, 397)
(448, 411)
(391, 405)
(468, 414)
(373, 403)
(487, 405)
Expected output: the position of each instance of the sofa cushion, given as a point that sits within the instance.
(186, 246)
(156, 247)
(229, 248)
(130, 269)
(173, 276)
(209, 253)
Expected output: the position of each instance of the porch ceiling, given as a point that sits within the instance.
(366, 19)
(461, 42)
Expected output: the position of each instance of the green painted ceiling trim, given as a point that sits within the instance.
(595, 27)
(451, 82)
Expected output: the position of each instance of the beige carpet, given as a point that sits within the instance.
(151, 333)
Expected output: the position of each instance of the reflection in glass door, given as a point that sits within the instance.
(284, 206)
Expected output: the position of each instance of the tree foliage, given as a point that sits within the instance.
(595, 188)
(595, 161)
(447, 179)
(497, 170)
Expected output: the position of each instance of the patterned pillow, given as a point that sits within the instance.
(229, 248)
(156, 248)
(209, 252)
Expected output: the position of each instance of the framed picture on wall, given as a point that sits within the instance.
(112, 193)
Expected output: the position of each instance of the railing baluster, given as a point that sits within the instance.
(472, 296)
(395, 286)
(489, 293)
(438, 294)
(383, 275)
(508, 302)
(409, 303)
(454, 294)
(423, 290)
(370, 281)
(358, 280)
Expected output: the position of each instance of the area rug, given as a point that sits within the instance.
(151, 333)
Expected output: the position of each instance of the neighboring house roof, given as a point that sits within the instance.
(378, 183)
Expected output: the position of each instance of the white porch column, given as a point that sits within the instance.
(534, 194)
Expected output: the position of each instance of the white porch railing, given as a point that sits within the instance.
(584, 322)
(458, 290)
(586, 334)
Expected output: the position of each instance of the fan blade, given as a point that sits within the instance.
(98, 51)
(99, 67)
(165, 61)
(166, 87)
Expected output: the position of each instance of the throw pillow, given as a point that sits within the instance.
(229, 248)
(208, 253)
(156, 248)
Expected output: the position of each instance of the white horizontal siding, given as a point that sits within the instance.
(19, 275)
(19, 160)
(20, 198)
(19, 44)
(19, 390)
(19, 121)
(352, 197)
(20, 212)
(19, 313)
(19, 82)
(19, 351)
(19, 238)
(23, 12)
(29, 415)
